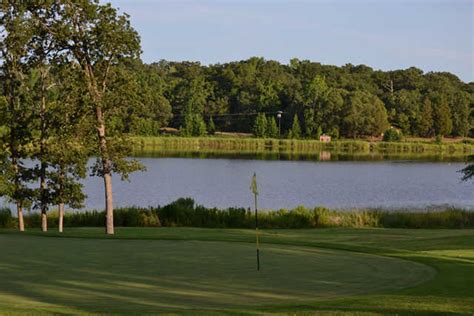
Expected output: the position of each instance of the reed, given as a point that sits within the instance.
(247, 146)
(185, 213)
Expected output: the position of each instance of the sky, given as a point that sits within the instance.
(433, 35)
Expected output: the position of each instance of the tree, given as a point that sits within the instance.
(199, 126)
(16, 36)
(424, 121)
(194, 125)
(319, 132)
(442, 122)
(272, 128)
(295, 131)
(460, 113)
(365, 114)
(147, 109)
(319, 93)
(260, 126)
(211, 127)
(67, 149)
(405, 107)
(309, 122)
(98, 38)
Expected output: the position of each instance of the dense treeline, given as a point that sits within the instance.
(184, 212)
(347, 101)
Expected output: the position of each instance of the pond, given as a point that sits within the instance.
(286, 184)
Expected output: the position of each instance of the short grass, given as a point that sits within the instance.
(212, 271)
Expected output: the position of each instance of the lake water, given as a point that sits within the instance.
(286, 184)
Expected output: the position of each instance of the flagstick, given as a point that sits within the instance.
(256, 233)
(254, 189)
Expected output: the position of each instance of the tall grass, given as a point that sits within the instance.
(184, 212)
(225, 145)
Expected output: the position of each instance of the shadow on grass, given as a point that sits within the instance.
(119, 276)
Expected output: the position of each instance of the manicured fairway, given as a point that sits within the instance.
(182, 270)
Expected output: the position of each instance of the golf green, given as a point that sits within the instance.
(81, 275)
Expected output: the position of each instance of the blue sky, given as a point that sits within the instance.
(434, 35)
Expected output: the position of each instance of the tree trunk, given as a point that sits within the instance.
(104, 153)
(21, 223)
(61, 216)
(109, 209)
(43, 197)
(44, 222)
(106, 173)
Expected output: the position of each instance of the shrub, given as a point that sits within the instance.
(6, 218)
(391, 135)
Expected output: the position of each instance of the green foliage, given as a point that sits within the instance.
(295, 131)
(260, 125)
(211, 127)
(194, 125)
(404, 105)
(442, 122)
(272, 128)
(6, 218)
(424, 122)
(365, 114)
(309, 122)
(450, 218)
(322, 95)
(391, 135)
(319, 132)
(461, 113)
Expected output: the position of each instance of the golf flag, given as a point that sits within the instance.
(253, 185)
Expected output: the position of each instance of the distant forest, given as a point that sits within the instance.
(347, 101)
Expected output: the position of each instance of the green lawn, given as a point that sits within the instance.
(212, 271)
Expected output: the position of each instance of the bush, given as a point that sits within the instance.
(391, 135)
(6, 218)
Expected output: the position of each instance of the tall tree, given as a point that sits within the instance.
(211, 127)
(16, 35)
(365, 114)
(424, 121)
(295, 131)
(461, 113)
(272, 128)
(67, 150)
(442, 121)
(309, 122)
(260, 125)
(97, 37)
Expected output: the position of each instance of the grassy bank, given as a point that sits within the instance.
(342, 148)
(185, 213)
(212, 271)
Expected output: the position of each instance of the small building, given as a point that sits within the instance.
(325, 138)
